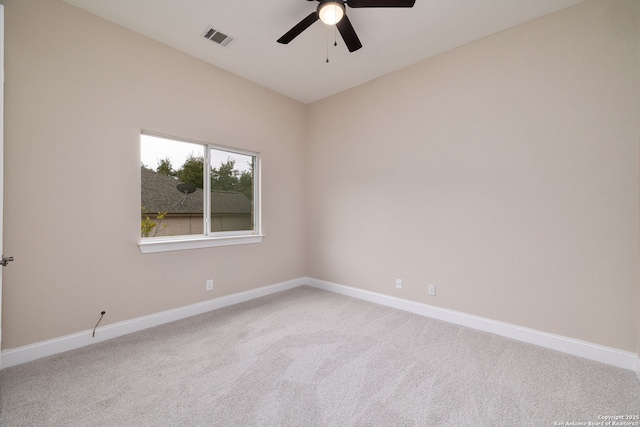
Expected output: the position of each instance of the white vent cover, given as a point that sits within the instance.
(216, 36)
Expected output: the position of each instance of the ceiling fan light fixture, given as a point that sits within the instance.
(331, 12)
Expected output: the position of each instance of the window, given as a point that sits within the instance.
(196, 195)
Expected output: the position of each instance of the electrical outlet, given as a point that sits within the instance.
(210, 284)
(398, 283)
(432, 290)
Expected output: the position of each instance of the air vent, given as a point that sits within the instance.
(217, 37)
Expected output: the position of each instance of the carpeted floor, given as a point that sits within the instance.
(307, 357)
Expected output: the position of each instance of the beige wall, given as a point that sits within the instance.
(505, 172)
(78, 92)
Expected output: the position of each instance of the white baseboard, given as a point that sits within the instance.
(31, 352)
(610, 356)
(571, 346)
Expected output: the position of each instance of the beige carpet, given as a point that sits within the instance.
(306, 357)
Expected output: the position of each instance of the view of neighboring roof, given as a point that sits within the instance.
(160, 194)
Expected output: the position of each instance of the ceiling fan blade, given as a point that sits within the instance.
(380, 3)
(299, 28)
(348, 34)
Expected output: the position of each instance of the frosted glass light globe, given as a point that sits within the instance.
(331, 12)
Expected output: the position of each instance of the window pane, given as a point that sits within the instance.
(172, 187)
(232, 187)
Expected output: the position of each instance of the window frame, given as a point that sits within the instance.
(209, 239)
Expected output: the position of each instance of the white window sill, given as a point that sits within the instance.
(155, 244)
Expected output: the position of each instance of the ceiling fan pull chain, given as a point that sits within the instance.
(327, 47)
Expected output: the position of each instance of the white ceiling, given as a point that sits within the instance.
(392, 38)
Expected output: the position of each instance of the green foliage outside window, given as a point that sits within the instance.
(147, 225)
(223, 178)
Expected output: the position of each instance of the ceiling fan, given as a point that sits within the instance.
(332, 12)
